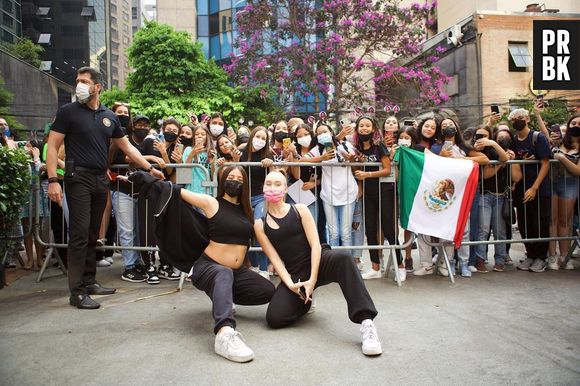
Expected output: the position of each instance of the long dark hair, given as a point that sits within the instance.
(313, 142)
(208, 142)
(411, 132)
(377, 135)
(567, 140)
(420, 137)
(458, 134)
(334, 140)
(218, 150)
(244, 198)
(265, 152)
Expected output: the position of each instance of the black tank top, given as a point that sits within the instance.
(289, 240)
(230, 225)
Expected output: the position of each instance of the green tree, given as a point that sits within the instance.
(172, 77)
(555, 111)
(27, 50)
(5, 102)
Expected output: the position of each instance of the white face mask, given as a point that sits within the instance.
(304, 141)
(404, 142)
(83, 93)
(216, 130)
(258, 144)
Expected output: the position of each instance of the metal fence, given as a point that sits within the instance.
(335, 171)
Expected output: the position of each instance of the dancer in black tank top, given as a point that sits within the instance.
(220, 272)
(289, 237)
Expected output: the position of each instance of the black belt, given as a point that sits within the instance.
(96, 172)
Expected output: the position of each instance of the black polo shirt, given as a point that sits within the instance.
(87, 133)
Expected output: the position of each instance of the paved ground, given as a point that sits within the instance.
(495, 328)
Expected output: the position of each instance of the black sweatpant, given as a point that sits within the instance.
(534, 222)
(226, 286)
(335, 267)
(86, 196)
(388, 218)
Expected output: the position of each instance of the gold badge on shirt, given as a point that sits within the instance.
(107, 122)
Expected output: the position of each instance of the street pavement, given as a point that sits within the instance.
(495, 328)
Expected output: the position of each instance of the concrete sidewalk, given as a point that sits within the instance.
(495, 328)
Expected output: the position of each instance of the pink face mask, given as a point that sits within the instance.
(274, 195)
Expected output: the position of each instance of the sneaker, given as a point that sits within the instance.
(553, 263)
(109, 259)
(371, 274)
(509, 261)
(402, 275)
(443, 271)
(480, 266)
(569, 264)
(465, 272)
(358, 264)
(103, 263)
(152, 276)
(434, 258)
(371, 345)
(409, 265)
(498, 267)
(230, 344)
(168, 273)
(425, 269)
(526, 264)
(141, 269)
(539, 265)
(472, 268)
(133, 276)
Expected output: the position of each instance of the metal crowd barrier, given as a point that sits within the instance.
(185, 170)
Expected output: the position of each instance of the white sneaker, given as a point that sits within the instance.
(553, 263)
(435, 258)
(472, 269)
(443, 271)
(371, 274)
(110, 259)
(402, 275)
(569, 264)
(230, 344)
(426, 269)
(103, 263)
(359, 265)
(371, 345)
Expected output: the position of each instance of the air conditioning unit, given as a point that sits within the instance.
(454, 35)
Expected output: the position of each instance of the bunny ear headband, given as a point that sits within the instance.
(394, 109)
(314, 123)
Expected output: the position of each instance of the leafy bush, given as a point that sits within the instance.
(14, 186)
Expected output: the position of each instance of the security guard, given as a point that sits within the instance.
(86, 127)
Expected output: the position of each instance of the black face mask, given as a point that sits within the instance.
(233, 188)
(574, 131)
(280, 136)
(519, 124)
(170, 136)
(243, 138)
(141, 133)
(504, 143)
(124, 119)
(186, 141)
(364, 137)
(449, 131)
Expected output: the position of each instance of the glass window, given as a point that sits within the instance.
(225, 20)
(520, 58)
(213, 6)
(205, 45)
(202, 26)
(225, 4)
(214, 49)
(7, 36)
(7, 5)
(238, 4)
(226, 44)
(202, 7)
(214, 26)
(7, 20)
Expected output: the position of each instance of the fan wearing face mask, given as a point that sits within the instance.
(258, 150)
(284, 149)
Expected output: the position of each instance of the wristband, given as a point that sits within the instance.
(52, 180)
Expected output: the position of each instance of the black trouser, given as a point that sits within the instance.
(226, 286)
(534, 222)
(335, 267)
(59, 228)
(388, 218)
(86, 196)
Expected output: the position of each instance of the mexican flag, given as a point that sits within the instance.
(435, 193)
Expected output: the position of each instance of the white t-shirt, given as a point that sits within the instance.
(338, 185)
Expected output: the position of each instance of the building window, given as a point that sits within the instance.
(7, 20)
(44, 39)
(125, 16)
(202, 7)
(114, 20)
(214, 6)
(214, 47)
(113, 8)
(205, 45)
(7, 5)
(225, 4)
(7, 37)
(71, 6)
(225, 21)
(519, 57)
(202, 26)
(134, 12)
(226, 45)
(214, 24)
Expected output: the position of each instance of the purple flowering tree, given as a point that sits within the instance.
(346, 52)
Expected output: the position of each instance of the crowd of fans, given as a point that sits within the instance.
(349, 202)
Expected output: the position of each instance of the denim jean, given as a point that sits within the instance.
(490, 218)
(358, 235)
(258, 259)
(339, 221)
(474, 222)
(125, 208)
